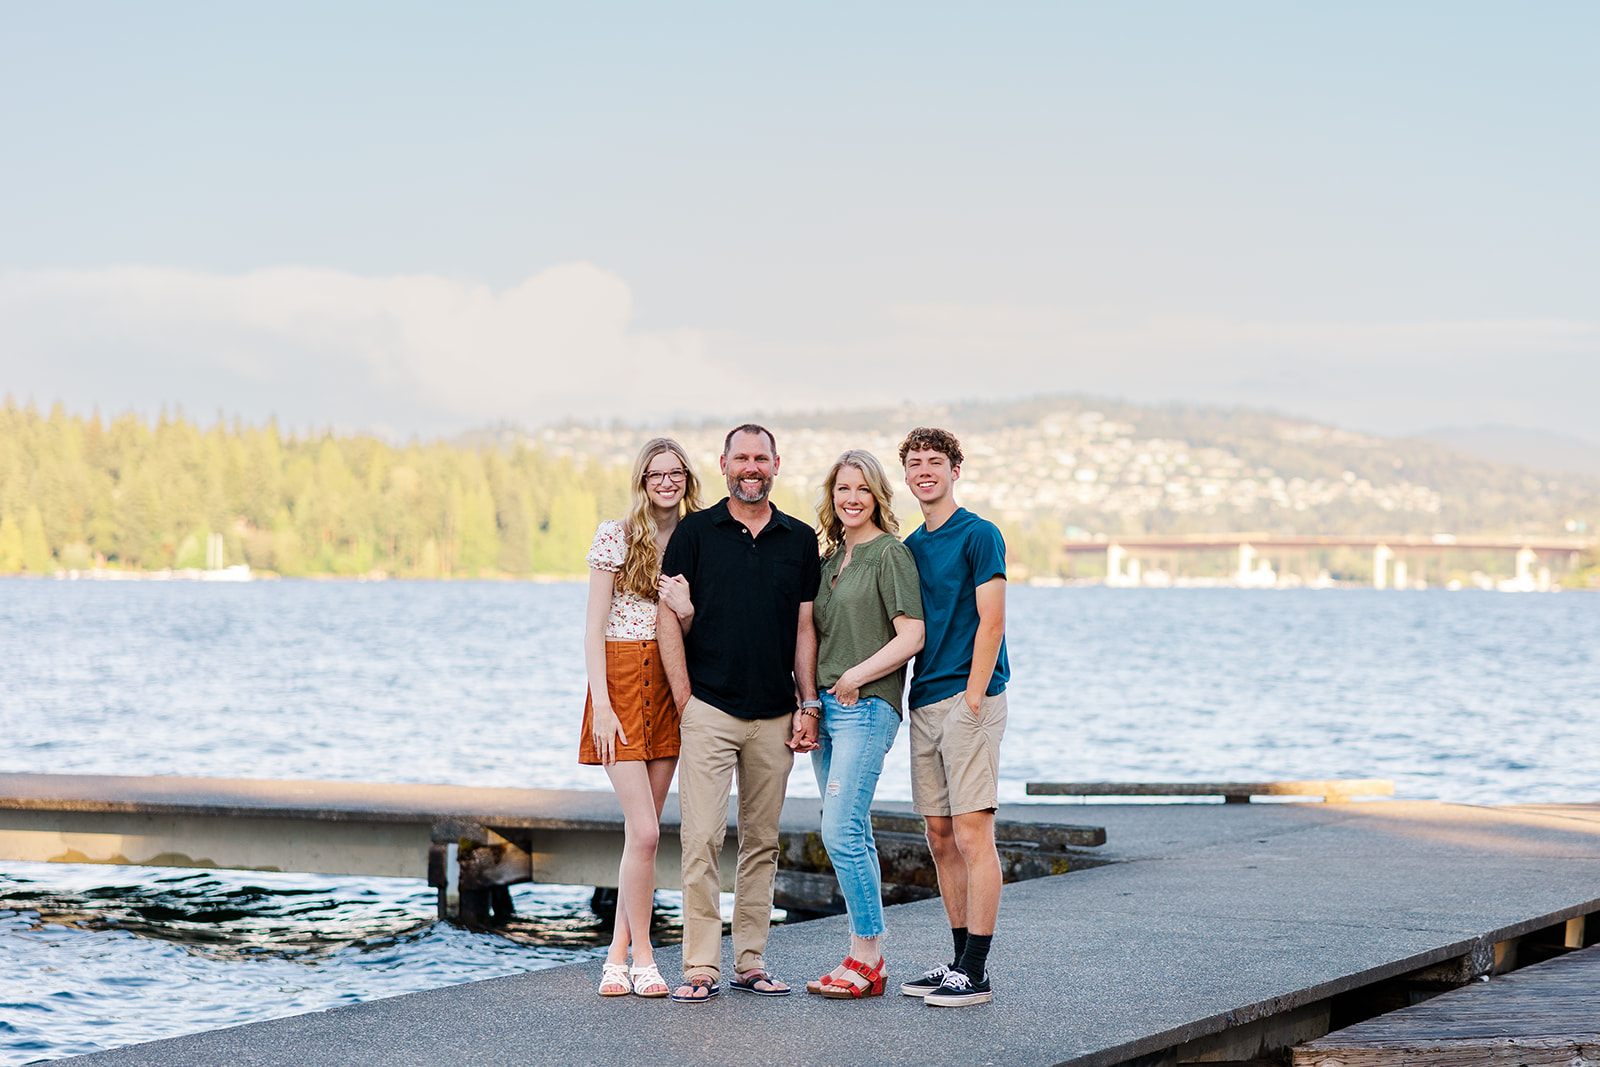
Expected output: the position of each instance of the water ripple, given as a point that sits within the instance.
(1470, 697)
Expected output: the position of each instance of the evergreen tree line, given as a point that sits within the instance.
(82, 492)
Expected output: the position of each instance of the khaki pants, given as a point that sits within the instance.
(715, 746)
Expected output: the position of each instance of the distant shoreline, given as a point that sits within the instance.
(109, 574)
(112, 574)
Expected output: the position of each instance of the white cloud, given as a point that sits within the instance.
(558, 344)
(1392, 377)
(425, 354)
(1027, 335)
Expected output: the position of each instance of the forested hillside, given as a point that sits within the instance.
(78, 491)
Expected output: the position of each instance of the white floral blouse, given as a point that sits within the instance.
(632, 617)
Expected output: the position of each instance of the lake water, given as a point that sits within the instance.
(1471, 697)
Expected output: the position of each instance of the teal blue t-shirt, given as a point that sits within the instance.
(952, 562)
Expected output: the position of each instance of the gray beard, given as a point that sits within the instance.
(736, 490)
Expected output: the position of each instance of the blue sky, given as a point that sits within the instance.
(418, 219)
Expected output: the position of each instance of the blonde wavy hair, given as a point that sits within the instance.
(641, 563)
(882, 516)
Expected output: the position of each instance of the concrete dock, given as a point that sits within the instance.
(1229, 933)
(471, 843)
(341, 828)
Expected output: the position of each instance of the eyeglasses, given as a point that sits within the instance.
(677, 474)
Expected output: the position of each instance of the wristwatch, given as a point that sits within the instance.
(813, 708)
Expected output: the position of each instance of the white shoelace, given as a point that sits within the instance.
(937, 974)
(956, 980)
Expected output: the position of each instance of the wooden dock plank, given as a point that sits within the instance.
(1548, 1013)
(1329, 789)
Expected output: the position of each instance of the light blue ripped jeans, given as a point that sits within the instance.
(854, 741)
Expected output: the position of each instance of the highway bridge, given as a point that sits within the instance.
(1397, 562)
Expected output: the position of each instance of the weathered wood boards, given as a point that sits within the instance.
(1332, 790)
(1548, 1013)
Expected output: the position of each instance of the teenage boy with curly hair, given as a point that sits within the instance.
(958, 710)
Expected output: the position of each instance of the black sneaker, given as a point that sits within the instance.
(921, 987)
(957, 990)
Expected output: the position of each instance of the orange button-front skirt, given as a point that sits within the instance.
(642, 700)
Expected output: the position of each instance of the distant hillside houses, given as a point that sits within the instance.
(1089, 464)
(1105, 471)
(79, 493)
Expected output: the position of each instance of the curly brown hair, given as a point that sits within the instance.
(930, 437)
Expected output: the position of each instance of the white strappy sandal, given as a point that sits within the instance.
(647, 982)
(614, 980)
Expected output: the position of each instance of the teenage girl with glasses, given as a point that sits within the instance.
(630, 723)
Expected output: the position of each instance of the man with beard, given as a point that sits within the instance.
(744, 678)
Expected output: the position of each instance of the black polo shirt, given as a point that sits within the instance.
(747, 594)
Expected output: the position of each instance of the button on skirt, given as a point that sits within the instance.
(642, 700)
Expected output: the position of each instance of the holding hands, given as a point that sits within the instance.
(803, 737)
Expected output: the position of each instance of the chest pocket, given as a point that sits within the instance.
(786, 577)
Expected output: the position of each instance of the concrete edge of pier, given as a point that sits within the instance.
(470, 843)
(329, 801)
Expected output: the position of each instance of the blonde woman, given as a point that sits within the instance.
(868, 615)
(630, 723)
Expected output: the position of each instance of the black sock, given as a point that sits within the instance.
(976, 955)
(959, 935)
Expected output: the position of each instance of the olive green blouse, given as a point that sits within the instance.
(855, 612)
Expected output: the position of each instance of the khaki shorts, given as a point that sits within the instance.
(955, 756)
